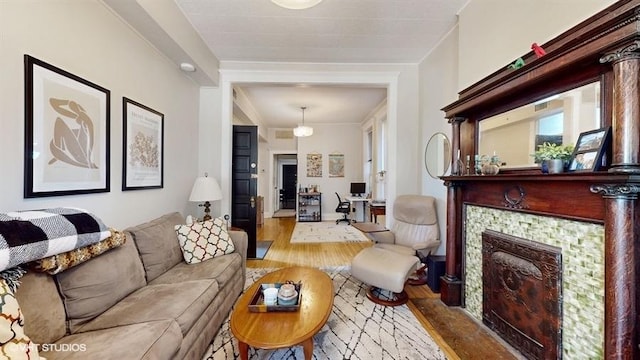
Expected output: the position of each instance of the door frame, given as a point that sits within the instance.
(229, 77)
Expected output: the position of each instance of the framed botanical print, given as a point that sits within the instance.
(314, 165)
(143, 146)
(66, 132)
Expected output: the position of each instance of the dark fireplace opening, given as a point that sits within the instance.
(521, 293)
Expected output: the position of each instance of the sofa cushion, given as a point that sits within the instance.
(42, 308)
(15, 343)
(158, 244)
(184, 302)
(150, 340)
(220, 269)
(92, 287)
(205, 240)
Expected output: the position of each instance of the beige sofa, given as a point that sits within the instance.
(138, 301)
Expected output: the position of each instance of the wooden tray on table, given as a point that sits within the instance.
(257, 301)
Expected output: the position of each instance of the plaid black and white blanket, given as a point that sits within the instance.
(35, 234)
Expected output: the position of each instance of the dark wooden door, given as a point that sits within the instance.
(289, 183)
(244, 177)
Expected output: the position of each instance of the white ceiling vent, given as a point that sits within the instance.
(284, 134)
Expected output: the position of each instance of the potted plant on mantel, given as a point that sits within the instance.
(553, 157)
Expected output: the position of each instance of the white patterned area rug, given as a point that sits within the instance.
(326, 231)
(356, 329)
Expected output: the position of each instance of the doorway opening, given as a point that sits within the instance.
(287, 77)
(286, 170)
(288, 190)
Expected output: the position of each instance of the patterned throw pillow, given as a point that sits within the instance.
(14, 343)
(58, 263)
(201, 241)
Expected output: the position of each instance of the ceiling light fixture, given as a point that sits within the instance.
(187, 67)
(301, 130)
(296, 4)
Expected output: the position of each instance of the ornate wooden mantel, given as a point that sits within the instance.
(605, 47)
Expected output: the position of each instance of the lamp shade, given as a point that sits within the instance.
(205, 189)
(302, 131)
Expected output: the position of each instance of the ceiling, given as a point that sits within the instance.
(334, 31)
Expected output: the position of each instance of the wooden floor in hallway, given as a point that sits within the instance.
(458, 335)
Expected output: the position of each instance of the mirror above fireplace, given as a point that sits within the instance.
(515, 134)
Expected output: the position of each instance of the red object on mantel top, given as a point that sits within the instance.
(538, 50)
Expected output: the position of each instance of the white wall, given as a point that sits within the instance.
(494, 33)
(88, 40)
(438, 87)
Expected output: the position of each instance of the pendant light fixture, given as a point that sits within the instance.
(302, 130)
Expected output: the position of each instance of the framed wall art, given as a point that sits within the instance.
(314, 165)
(143, 146)
(590, 151)
(66, 132)
(336, 165)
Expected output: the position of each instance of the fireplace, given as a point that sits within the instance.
(582, 272)
(522, 289)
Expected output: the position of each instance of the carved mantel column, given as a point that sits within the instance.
(626, 107)
(450, 283)
(621, 254)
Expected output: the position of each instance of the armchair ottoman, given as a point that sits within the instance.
(383, 269)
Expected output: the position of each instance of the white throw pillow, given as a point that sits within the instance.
(201, 241)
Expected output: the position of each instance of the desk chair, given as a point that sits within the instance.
(343, 207)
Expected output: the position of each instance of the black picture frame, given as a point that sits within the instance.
(590, 151)
(142, 146)
(67, 132)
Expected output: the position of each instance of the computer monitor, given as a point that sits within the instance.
(358, 188)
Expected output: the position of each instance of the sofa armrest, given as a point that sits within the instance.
(240, 242)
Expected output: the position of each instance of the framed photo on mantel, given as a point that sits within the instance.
(590, 152)
(66, 132)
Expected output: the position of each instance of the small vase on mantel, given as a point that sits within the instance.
(555, 166)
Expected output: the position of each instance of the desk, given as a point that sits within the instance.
(376, 209)
(354, 199)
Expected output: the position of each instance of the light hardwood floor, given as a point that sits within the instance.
(283, 253)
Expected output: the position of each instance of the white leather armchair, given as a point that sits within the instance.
(392, 260)
(414, 227)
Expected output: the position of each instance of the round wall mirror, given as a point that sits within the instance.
(437, 155)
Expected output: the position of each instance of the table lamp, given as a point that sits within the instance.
(205, 189)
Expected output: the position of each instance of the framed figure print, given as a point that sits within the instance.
(66, 132)
(590, 151)
(143, 146)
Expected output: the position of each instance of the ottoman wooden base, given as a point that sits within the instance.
(396, 300)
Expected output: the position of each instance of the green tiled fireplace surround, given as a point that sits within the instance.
(582, 246)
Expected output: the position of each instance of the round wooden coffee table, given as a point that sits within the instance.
(274, 330)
